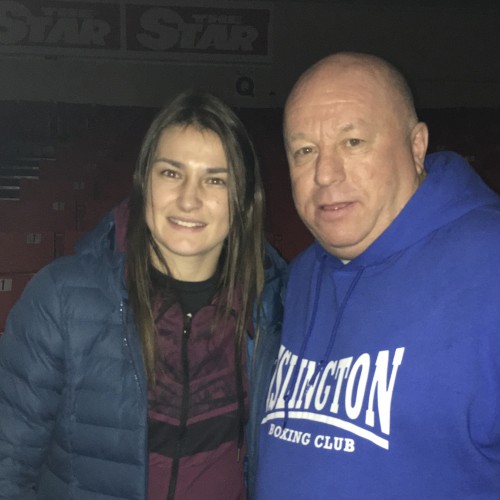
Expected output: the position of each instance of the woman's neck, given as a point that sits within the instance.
(187, 268)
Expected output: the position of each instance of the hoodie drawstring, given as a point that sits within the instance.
(333, 335)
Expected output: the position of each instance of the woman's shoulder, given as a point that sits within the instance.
(275, 266)
(71, 276)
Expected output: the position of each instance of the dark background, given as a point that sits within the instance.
(71, 122)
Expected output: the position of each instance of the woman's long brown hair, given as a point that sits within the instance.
(241, 260)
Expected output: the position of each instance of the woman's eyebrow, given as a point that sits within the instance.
(175, 163)
(217, 170)
(181, 165)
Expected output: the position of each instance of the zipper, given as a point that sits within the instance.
(126, 343)
(184, 407)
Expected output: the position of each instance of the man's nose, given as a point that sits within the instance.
(329, 168)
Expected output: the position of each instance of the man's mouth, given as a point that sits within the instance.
(335, 206)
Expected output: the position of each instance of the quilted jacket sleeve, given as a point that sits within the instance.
(31, 382)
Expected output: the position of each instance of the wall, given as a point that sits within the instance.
(449, 50)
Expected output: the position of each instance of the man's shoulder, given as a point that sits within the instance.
(480, 225)
(305, 261)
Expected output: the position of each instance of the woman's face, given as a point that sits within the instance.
(187, 206)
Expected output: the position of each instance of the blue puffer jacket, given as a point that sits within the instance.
(73, 397)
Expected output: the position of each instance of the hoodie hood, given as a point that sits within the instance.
(450, 190)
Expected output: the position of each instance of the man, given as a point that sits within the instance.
(387, 381)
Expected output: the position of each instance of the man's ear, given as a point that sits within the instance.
(419, 143)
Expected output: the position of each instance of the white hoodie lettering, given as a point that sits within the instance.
(354, 394)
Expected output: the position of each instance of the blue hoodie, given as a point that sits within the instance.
(387, 382)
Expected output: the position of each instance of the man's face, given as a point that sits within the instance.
(354, 159)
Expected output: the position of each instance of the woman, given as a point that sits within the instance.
(124, 367)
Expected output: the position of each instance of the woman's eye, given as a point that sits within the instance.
(170, 173)
(217, 181)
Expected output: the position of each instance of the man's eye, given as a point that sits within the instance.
(352, 143)
(303, 151)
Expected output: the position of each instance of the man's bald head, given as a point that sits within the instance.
(373, 67)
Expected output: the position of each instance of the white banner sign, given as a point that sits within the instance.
(171, 31)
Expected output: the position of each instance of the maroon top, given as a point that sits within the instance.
(193, 411)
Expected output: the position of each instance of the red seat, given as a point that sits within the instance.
(91, 212)
(22, 252)
(11, 288)
(72, 190)
(35, 216)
